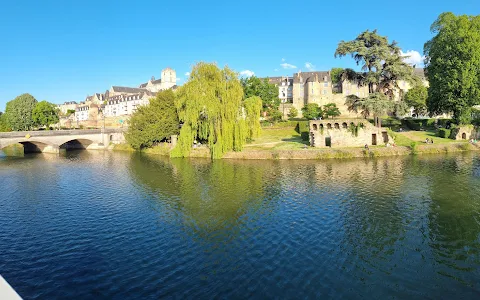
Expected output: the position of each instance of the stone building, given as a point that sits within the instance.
(167, 81)
(311, 87)
(285, 88)
(125, 105)
(346, 133)
(65, 107)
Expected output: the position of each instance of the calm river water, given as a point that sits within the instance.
(96, 225)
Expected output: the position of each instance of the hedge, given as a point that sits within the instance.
(444, 133)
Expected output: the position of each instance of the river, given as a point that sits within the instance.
(95, 225)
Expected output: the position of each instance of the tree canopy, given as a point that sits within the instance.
(312, 111)
(453, 65)
(18, 112)
(254, 86)
(3, 123)
(45, 114)
(153, 123)
(211, 107)
(293, 112)
(382, 69)
(417, 98)
(336, 75)
(331, 110)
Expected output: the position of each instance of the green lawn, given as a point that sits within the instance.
(420, 136)
(285, 138)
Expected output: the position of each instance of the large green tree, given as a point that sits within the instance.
(336, 75)
(153, 123)
(417, 98)
(382, 70)
(331, 110)
(211, 107)
(3, 123)
(453, 65)
(312, 111)
(45, 114)
(18, 112)
(254, 86)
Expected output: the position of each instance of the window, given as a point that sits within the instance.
(325, 84)
(324, 92)
(283, 83)
(312, 91)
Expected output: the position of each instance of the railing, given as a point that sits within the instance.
(15, 134)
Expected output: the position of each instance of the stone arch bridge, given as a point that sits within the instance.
(56, 140)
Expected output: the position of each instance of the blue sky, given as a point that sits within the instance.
(65, 50)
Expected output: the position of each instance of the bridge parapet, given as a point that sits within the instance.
(19, 134)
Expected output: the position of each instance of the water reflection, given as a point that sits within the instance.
(148, 226)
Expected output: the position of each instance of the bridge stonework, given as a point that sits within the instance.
(56, 140)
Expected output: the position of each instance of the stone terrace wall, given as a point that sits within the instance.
(346, 133)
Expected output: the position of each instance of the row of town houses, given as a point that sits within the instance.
(117, 101)
(293, 91)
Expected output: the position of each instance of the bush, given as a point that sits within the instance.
(293, 112)
(303, 128)
(443, 133)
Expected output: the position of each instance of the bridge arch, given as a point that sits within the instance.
(29, 146)
(77, 144)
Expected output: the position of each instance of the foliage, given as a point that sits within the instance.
(453, 65)
(18, 112)
(417, 98)
(303, 127)
(70, 112)
(382, 70)
(293, 113)
(3, 123)
(336, 75)
(274, 114)
(253, 106)
(45, 114)
(382, 64)
(312, 111)
(254, 86)
(411, 124)
(400, 108)
(154, 122)
(211, 107)
(354, 129)
(375, 104)
(331, 110)
(444, 133)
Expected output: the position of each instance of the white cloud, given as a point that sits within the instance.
(276, 70)
(288, 66)
(283, 59)
(247, 73)
(309, 66)
(413, 57)
(187, 74)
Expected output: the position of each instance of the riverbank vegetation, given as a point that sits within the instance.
(26, 113)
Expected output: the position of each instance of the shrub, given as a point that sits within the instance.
(443, 133)
(293, 112)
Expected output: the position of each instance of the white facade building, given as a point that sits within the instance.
(124, 105)
(81, 113)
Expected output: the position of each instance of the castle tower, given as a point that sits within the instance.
(169, 78)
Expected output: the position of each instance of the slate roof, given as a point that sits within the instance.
(316, 76)
(127, 90)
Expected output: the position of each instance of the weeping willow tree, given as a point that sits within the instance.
(211, 107)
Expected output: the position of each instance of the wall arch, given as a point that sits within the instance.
(76, 144)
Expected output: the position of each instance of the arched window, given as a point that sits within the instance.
(315, 127)
(329, 126)
(337, 126)
(344, 125)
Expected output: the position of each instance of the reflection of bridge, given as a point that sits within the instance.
(54, 141)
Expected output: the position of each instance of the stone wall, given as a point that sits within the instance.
(466, 132)
(346, 133)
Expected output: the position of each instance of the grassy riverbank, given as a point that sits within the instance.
(286, 143)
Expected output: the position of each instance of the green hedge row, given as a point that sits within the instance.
(417, 124)
(444, 133)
